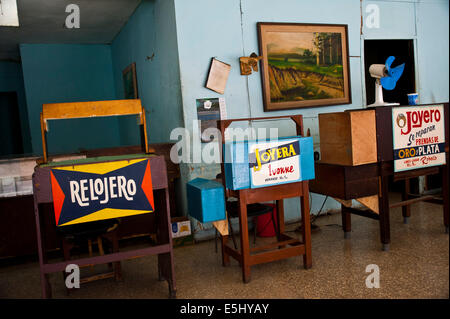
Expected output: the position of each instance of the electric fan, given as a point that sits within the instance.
(386, 78)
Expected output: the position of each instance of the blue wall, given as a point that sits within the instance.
(150, 32)
(11, 80)
(69, 73)
(198, 23)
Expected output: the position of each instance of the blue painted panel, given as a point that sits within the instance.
(206, 200)
(307, 158)
(237, 175)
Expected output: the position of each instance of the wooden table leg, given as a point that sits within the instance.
(383, 201)
(243, 226)
(346, 221)
(45, 282)
(166, 267)
(280, 217)
(445, 172)
(306, 229)
(225, 255)
(406, 210)
(280, 220)
(117, 265)
(47, 293)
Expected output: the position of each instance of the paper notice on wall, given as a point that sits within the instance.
(218, 76)
(418, 137)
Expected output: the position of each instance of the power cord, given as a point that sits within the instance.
(320, 210)
(313, 219)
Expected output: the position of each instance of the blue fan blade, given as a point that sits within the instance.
(389, 82)
(388, 63)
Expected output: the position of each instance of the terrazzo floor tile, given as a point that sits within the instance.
(417, 266)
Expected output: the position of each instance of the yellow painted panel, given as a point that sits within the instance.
(100, 168)
(106, 213)
(91, 109)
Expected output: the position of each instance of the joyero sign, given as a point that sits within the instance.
(418, 137)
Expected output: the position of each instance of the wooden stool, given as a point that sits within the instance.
(285, 246)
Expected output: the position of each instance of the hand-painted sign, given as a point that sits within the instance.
(89, 192)
(418, 137)
(275, 162)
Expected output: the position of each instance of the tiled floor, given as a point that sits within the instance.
(417, 266)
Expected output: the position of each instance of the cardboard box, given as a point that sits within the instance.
(181, 226)
(348, 138)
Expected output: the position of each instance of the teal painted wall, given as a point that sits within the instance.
(11, 80)
(227, 30)
(69, 73)
(150, 32)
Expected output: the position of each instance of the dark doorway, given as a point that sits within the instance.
(376, 52)
(10, 131)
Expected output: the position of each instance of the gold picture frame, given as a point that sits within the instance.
(303, 65)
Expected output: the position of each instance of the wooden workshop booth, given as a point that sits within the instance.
(249, 178)
(359, 155)
(88, 191)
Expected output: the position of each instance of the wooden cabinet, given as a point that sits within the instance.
(348, 138)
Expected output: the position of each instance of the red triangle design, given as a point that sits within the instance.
(147, 185)
(58, 197)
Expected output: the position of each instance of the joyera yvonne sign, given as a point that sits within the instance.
(418, 137)
(274, 162)
(90, 192)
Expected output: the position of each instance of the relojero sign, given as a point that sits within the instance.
(89, 192)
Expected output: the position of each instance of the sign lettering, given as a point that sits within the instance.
(88, 192)
(418, 137)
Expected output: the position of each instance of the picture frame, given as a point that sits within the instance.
(303, 65)
(130, 82)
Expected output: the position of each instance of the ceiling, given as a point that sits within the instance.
(43, 21)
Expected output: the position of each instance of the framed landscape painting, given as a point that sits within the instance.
(303, 65)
